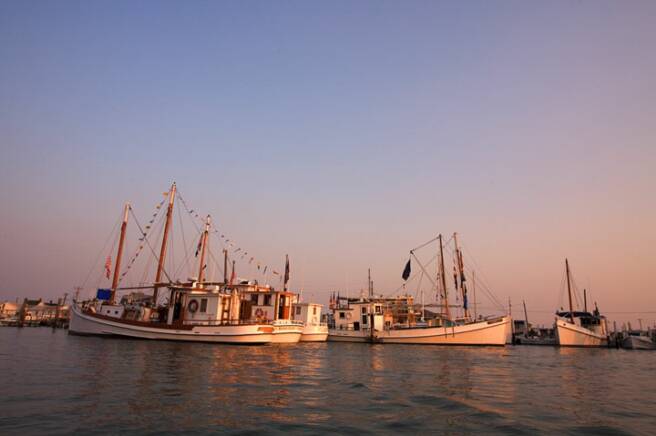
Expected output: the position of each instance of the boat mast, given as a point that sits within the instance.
(474, 285)
(461, 272)
(205, 243)
(225, 267)
(119, 254)
(585, 301)
(162, 251)
(525, 318)
(445, 298)
(569, 292)
(371, 290)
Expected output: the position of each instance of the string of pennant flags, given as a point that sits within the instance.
(228, 243)
(142, 240)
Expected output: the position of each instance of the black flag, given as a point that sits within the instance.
(286, 278)
(406, 271)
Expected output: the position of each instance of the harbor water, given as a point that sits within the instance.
(57, 383)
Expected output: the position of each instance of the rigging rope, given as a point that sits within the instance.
(102, 251)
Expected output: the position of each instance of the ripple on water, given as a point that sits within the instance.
(66, 384)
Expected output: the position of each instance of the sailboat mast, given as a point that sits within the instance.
(119, 254)
(225, 266)
(525, 318)
(369, 283)
(445, 300)
(474, 285)
(165, 238)
(461, 273)
(569, 292)
(205, 243)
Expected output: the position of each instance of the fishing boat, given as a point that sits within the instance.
(309, 314)
(398, 320)
(446, 328)
(232, 311)
(526, 334)
(580, 328)
(638, 340)
(361, 319)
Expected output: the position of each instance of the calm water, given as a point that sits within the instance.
(56, 383)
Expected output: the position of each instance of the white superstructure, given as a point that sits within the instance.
(309, 314)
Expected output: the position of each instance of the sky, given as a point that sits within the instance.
(340, 133)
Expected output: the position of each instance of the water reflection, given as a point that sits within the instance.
(140, 386)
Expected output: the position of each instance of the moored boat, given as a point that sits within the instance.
(399, 320)
(310, 315)
(580, 328)
(232, 311)
(637, 340)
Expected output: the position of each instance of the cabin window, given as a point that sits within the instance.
(378, 309)
(267, 300)
(341, 315)
(116, 312)
(314, 311)
(298, 310)
(254, 298)
(364, 319)
(364, 310)
(203, 305)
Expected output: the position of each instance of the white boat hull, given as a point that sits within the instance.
(638, 343)
(361, 336)
(572, 335)
(286, 332)
(490, 332)
(88, 324)
(314, 333)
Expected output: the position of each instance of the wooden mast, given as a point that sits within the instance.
(162, 251)
(119, 254)
(569, 292)
(445, 302)
(526, 330)
(205, 243)
(474, 285)
(225, 267)
(370, 289)
(461, 273)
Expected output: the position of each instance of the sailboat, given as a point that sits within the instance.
(580, 328)
(196, 311)
(445, 329)
(395, 320)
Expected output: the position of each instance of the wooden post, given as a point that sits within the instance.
(119, 254)
(569, 292)
(205, 243)
(162, 251)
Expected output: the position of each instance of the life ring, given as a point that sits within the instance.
(193, 306)
(259, 313)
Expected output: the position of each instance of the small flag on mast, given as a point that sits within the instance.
(406, 271)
